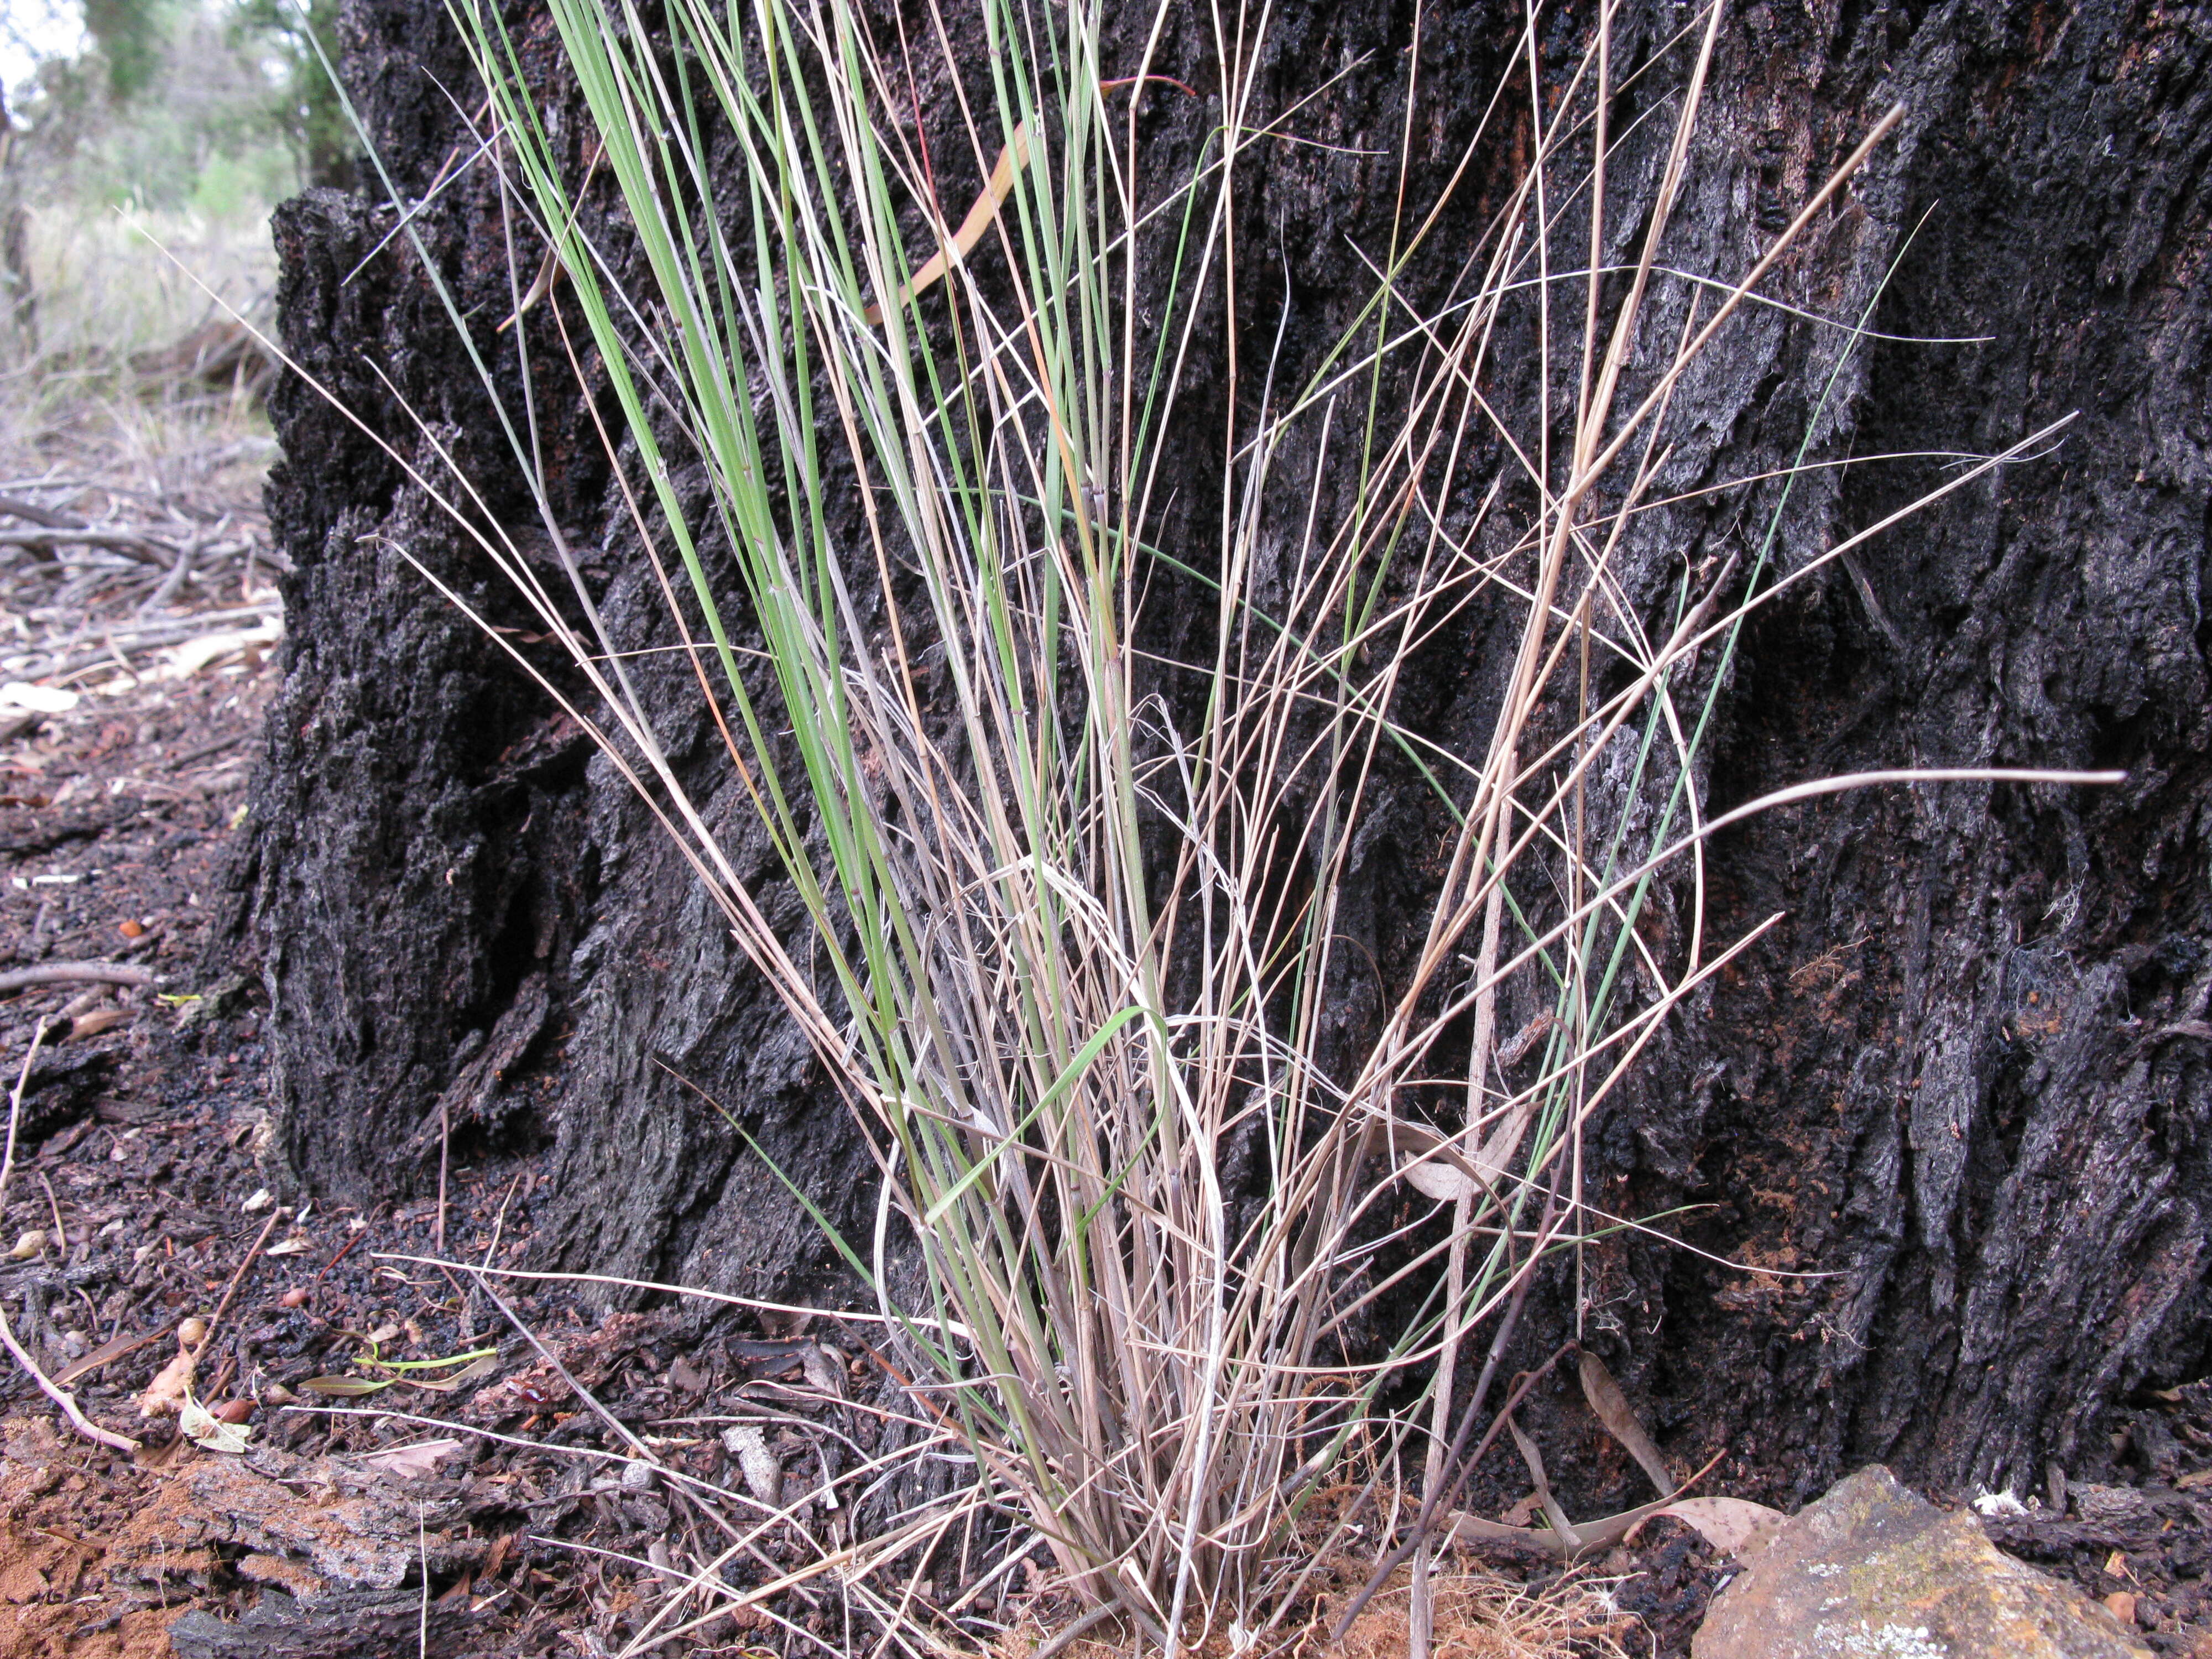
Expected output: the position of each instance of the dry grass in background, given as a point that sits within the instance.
(133, 440)
(118, 370)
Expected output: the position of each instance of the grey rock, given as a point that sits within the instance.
(1874, 1571)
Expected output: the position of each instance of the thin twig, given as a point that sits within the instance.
(61, 1233)
(231, 1289)
(16, 1106)
(1065, 1637)
(61, 1396)
(445, 1150)
(76, 973)
(54, 1391)
(333, 1263)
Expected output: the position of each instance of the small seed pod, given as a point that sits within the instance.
(28, 1246)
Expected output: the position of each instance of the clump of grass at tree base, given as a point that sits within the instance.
(970, 756)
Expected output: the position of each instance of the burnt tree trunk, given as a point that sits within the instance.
(1965, 1078)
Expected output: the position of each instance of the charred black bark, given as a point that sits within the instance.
(1965, 1077)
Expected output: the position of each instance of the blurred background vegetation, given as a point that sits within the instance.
(134, 131)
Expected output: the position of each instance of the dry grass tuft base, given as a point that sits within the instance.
(1479, 1614)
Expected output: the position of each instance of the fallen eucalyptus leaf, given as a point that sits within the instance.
(345, 1388)
(421, 1458)
(105, 1352)
(1620, 1422)
(1734, 1525)
(1586, 1537)
(39, 699)
(468, 1373)
(209, 1432)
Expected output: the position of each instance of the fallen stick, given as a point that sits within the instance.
(147, 549)
(231, 1289)
(46, 517)
(61, 1396)
(54, 1391)
(157, 631)
(76, 973)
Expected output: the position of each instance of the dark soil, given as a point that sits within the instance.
(141, 1134)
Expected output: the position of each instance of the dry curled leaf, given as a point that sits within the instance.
(1734, 1525)
(822, 1372)
(996, 189)
(209, 1432)
(421, 1458)
(1433, 1169)
(763, 1475)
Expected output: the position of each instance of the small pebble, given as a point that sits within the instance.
(638, 1475)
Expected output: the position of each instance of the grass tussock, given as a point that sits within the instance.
(1467, 1610)
(1059, 878)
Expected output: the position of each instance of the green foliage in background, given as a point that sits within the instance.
(301, 35)
(129, 34)
(218, 107)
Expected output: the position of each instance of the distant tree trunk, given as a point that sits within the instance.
(1965, 1079)
(15, 285)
